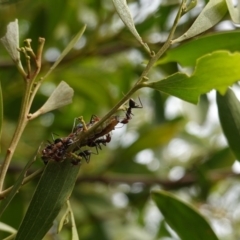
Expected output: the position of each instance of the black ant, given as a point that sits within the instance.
(132, 104)
(97, 142)
(86, 154)
(56, 150)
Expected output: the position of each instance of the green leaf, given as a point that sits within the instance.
(229, 115)
(53, 190)
(124, 13)
(11, 40)
(186, 54)
(213, 12)
(74, 227)
(213, 71)
(188, 223)
(6, 228)
(234, 11)
(220, 159)
(60, 97)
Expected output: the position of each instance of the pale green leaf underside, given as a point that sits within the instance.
(60, 97)
(188, 223)
(6, 228)
(213, 12)
(213, 71)
(11, 40)
(234, 11)
(124, 13)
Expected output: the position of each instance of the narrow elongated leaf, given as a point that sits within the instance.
(234, 11)
(213, 71)
(229, 115)
(6, 228)
(212, 13)
(74, 227)
(67, 49)
(53, 190)
(188, 223)
(124, 13)
(186, 54)
(60, 97)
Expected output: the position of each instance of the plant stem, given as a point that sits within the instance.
(22, 122)
(139, 84)
(106, 117)
(144, 74)
(164, 48)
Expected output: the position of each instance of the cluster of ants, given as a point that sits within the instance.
(58, 150)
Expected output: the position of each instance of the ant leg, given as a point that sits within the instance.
(76, 159)
(141, 106)
(54, 134)
(77, 126)
(94, 119)
(83, 123)
(86, 154)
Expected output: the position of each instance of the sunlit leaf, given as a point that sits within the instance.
(74, 227)
(188, 223)
(213, 12)
(186, 54)
(53, 190)
(6, 228)
(229, 115)
(60, 97)
(234, 11)
(63, 220)
(124, 13)
(213, 71)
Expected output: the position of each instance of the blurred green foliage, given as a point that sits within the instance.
(169, 144)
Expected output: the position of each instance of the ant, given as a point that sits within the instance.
(110, 125)
(86, 154)
(56, 150)
(97, 142)
(132, 104)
